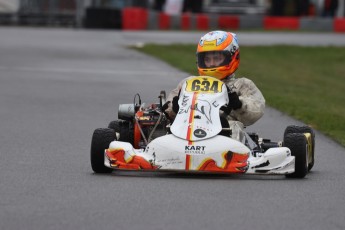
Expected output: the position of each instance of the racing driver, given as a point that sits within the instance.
(218, 55)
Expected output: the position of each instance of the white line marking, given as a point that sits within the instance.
(90, 71)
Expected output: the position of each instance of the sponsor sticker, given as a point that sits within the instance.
(194, 149)
(199, 133)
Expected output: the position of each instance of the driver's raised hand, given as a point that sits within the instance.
(234, 101)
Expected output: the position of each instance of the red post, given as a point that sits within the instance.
(228, 22)
(185, 22)
(291, 23)
(202, 22)
(339, 25)
(134, 18)
(164, 21)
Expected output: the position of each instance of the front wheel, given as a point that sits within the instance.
(304, 129)
(101, 139)
(297, 143)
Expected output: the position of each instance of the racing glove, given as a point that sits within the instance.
(175, 105)
(165, 106)
(234, 101)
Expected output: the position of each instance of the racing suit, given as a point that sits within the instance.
(253, 105)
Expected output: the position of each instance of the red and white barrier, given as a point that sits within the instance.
(142, 19)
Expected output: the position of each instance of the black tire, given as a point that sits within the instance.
(304, 129)
(115, 125)
(124, 129)
(297, 143)
(127, 132)
(101, 139)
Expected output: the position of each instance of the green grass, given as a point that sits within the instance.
(307, 83)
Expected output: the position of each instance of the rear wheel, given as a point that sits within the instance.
(101, 139)
(297, 143)
(124, 129)
(115, 125)
(304, 129)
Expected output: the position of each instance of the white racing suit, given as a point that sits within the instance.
(253, 105)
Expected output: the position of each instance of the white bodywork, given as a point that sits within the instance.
(198, 115)
(195, 145)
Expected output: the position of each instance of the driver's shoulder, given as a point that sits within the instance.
(240, 80)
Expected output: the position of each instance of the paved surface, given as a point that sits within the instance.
(57, 86)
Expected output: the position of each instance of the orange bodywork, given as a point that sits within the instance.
(233, 163)
(117, 160)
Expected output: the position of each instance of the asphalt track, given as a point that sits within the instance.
(58, 85)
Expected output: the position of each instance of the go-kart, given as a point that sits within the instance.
(144, 138)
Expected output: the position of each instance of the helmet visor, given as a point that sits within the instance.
(213, 59)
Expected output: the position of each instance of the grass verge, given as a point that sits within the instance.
(307, 83)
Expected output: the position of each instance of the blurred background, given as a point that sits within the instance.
(108, 13)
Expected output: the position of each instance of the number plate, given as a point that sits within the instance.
(204, 85)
